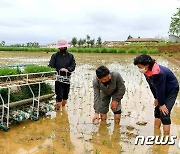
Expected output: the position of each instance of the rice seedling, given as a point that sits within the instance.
(37, 69)
(143, 51)
(132, 50)
(104, 50)
(121, 50)
(112, 50)
(152, 51)
(9, 71)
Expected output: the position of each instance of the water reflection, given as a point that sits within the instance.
(104, 142)
(44, 136)
(159, 149)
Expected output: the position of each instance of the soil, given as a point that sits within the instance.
(173, 58)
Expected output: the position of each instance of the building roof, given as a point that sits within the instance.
(174, 36)
(143, 40)
(113, 42)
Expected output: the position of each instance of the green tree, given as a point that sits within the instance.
(88, 38)
(129, 37)
(35, 44)
(74, 41)
(2, 43)
(29, 44)
(83, 41)
(99, 41)
(80, 42)
(92, 42)
(175, 23)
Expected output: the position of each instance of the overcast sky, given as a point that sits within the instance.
(46, 21)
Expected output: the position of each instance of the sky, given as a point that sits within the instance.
(47, 21)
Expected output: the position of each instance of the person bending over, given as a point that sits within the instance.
(164, 87)
(109, 89)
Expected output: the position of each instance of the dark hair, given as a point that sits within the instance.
(144, 60)
(102, 71)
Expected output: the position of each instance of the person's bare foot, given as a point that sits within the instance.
(64, 102)
(59, 104)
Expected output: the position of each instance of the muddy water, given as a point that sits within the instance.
(71, 130)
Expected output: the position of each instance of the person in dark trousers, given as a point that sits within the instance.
(164, 87)
(64, 63)
(108, 88)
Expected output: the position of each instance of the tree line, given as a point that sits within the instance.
(87, 42)
(175, 23)
(29, 44)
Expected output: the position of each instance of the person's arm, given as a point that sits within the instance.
(97, 97)
(120, 91)
(153, 90)
(71, 68)
(52, 61)
(160, 82)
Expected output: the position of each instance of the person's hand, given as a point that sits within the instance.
(114, 105)
(164, 109)
(95, 119)
(155, 102)
(63, 70)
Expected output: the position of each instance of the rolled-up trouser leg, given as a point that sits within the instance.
(118, 109)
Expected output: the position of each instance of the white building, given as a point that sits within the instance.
(174, 38)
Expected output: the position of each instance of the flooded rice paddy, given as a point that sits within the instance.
(71, 130)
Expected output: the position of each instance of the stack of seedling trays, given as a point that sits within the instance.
(25, 94)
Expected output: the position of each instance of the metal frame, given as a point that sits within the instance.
(35, 99)
(26, 75)
(64, 79)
